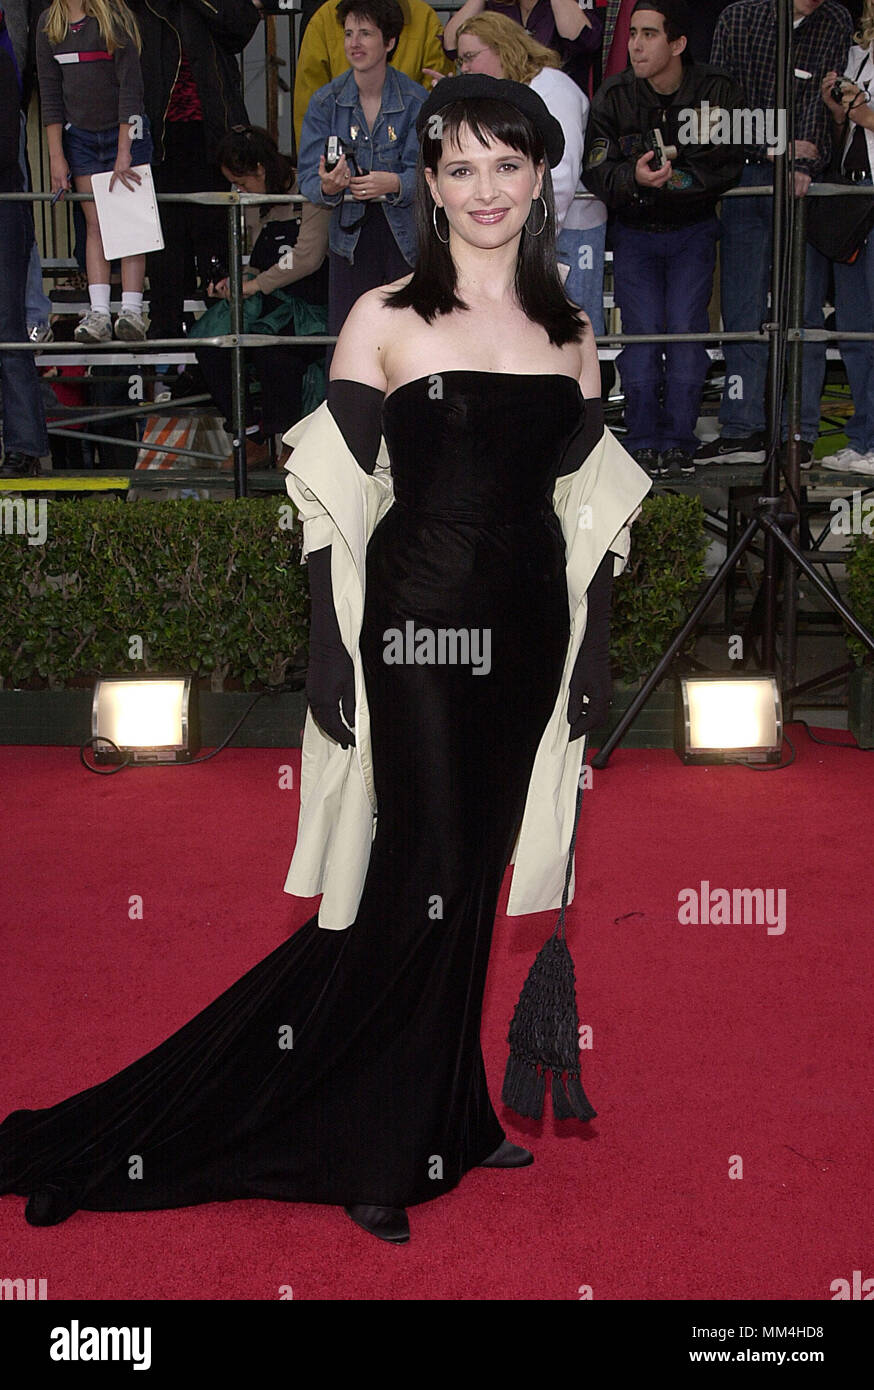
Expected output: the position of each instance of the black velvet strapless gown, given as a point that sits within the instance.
(382, 1097)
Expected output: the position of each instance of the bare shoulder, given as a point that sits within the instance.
(590, 372)
(368, 333)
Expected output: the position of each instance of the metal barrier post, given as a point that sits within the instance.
(798, 256)
(238, 382)
(774, 397)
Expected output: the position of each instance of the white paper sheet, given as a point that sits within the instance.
(129, 219)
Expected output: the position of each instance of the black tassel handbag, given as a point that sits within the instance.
(544, 1032)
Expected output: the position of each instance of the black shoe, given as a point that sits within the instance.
(20, 466)
(678, 463)
(649, 459)
(387, 1223)
(49, 1205)
(806, 449)
(750, 449)
(508, 1155)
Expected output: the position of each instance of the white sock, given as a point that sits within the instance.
(131, 300)
(99, 296)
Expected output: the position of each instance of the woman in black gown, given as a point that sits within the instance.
(381, 1101)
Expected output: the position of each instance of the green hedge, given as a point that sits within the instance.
(217, 589)
(660, 583)
(860, 595)
(214, 588)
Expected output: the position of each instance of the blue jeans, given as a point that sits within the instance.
(583, 251)
(745, 271)
(24, 426)
(95, 151)
(38, 306)
(854, 297)
(663, 282)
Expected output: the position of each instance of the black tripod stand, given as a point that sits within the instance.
(776, 512)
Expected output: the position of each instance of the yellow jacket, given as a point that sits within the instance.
(340, 505)
(322, 56)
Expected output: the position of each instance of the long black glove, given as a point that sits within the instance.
(591, 688)
(330, 683)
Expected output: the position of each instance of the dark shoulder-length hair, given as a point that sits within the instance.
(244, 147)
(433, 289)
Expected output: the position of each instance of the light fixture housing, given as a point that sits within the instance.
(151, 718)
(728, 718)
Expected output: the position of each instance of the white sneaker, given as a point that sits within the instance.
(865, 464)
(843, 461)
(40, 333)
(94, 328)
(130, 326)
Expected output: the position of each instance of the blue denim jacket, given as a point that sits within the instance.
(392, 145)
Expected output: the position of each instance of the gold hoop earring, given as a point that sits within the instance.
(436, 232)
(545, 217)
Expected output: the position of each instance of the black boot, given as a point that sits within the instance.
(387, 1223)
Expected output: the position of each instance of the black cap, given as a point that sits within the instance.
(473, 86)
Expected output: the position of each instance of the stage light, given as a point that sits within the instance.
(152, 719)
(728, 719)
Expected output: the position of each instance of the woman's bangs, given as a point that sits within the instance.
(490, 121)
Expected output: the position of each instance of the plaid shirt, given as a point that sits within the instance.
(744, 44)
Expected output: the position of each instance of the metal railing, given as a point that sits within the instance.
(237, 341)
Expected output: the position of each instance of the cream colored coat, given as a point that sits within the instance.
(340, 506)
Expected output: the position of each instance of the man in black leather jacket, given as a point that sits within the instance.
(193, 94)
(663, 222)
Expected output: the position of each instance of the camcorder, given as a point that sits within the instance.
(335, 148)
(652, 140)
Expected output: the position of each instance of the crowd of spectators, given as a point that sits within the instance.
(664, 105)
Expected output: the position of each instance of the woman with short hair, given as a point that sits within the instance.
(371, 111)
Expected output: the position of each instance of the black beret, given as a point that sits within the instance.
(471, 86)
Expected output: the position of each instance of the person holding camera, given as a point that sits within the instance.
(661, 175)
(285, 292)
(745, 45)
(359, 138)
(850, 100)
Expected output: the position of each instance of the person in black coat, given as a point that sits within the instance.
(24, 427)
(193, 97)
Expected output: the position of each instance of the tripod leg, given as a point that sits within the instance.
(807, 568)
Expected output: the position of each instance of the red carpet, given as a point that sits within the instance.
(710, 1041)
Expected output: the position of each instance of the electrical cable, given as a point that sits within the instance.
(294, 684)
(767, 767)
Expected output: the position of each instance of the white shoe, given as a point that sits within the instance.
(94, 328)
(130, 326)
(865, 464)
(40, 333)
(843, 461)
